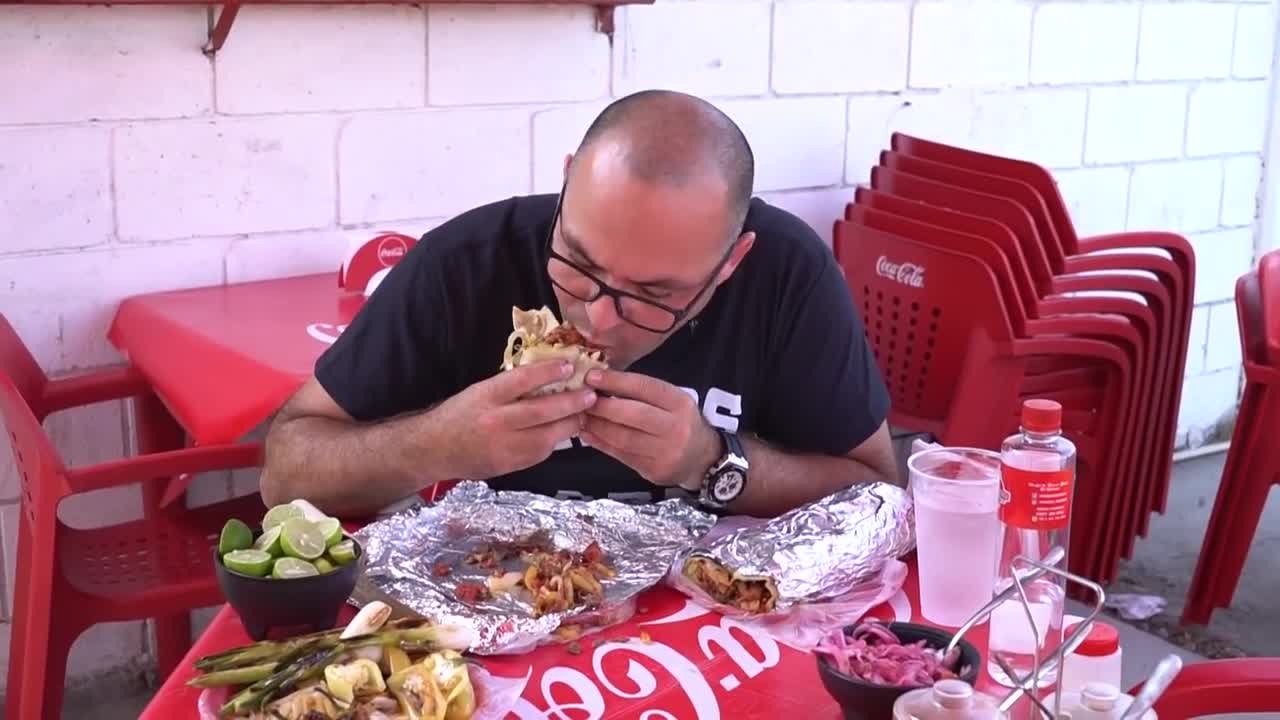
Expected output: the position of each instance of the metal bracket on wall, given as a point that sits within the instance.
(220, 20)
(223, 15)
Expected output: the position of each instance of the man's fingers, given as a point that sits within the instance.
(632, 413)
(517, 382)
(633, 442)
(637, 387)
(533, 412)
(611, 450)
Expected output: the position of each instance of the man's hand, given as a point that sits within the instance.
(491, 431)
(651, 426)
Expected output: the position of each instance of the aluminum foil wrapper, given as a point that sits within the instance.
(816, 552)
(639, 542)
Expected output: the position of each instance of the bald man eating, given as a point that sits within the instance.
(738, 375)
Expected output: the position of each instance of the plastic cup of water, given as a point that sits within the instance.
(956, 492)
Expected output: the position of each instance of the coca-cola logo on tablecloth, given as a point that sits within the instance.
(908, 274)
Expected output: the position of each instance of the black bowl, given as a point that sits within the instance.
(296, 604)
(861, 700)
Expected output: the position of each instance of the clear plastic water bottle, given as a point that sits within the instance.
(1037, 482)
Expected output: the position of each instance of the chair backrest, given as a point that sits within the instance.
(1253, 333)
(1218, 687)
(1025, 171)
(1269, 292)
(945, 238)
(957, 221)
(40, 470)
(22, 369)
(921, 305)
(997, 208)
(1015, 190)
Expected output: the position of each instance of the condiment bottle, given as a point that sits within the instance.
(1096, 659)
(1037, 480)
(947, 700)
(1096, 701)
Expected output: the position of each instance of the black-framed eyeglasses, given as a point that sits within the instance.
(644, 313)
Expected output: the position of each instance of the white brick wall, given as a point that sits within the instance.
(130, 162)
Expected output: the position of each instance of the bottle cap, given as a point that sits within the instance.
(953, 693)
(1099, 696)
(1102, 640)
(1040, 415)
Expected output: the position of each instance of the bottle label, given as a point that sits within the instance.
(1035, 499)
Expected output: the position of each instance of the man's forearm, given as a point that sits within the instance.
(347, 469)
(779, 481)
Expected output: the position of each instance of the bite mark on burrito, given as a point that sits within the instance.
(537, 335)
(749, 593)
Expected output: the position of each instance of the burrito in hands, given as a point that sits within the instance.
(537, 335)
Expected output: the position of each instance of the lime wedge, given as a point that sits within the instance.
(343, 553)
(278, 514)
(287, 568)
(235, 536)
(323, 565)
(248, 562)
(269, 541)
(301, 538)
(331, 529)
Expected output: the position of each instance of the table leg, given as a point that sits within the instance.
(158, 431)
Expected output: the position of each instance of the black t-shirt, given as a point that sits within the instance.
(779, 350)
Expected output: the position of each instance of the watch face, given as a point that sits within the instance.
(727, 486)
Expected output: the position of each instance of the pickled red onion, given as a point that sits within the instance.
(873, 654)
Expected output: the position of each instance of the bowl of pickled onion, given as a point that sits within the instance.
(868, 666)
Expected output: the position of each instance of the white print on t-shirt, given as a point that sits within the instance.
(721, 409)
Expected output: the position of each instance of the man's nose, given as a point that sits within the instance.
(603, 314)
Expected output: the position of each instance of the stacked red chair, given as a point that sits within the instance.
(68, 579)
(977, 293)
(1252, 464)
(1221, 687)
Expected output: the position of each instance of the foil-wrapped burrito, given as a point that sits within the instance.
(813, 553)
(520, 569)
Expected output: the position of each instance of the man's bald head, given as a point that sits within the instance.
(672, 138)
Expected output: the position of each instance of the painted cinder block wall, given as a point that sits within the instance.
(131, 162)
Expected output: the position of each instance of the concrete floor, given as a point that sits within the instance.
(1162, 565)
(1163, 562)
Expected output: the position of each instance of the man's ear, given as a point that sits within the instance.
(740, 249)
(568, 160)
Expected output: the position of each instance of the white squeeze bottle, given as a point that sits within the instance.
(1037, 480)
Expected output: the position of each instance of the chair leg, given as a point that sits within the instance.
(173, 640)
(1202, 593)
(1246, 513)
(61, 638)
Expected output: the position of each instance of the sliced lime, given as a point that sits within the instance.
(248, 562)
(301, 538)
(287, 568)
(269, 541)
(343, 553)
(235, 536)
(331, 529)
(323, 565)
(278, 514)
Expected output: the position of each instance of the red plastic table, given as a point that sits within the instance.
(224, 358)
(690, 663)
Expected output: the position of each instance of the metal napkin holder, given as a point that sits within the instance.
(1026, 570)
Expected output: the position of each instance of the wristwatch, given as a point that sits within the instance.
(727, 477)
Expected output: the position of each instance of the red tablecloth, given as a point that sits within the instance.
(224, 358)
(695, 665)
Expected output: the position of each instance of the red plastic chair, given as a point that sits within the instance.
(1125, 322)
(1148, 463)
(1253, 459)
(1220, 687)
(946, 347)
(1095, 469)
(68, 579)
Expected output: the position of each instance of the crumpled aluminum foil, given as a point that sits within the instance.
(815, 552)
(639, 542)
